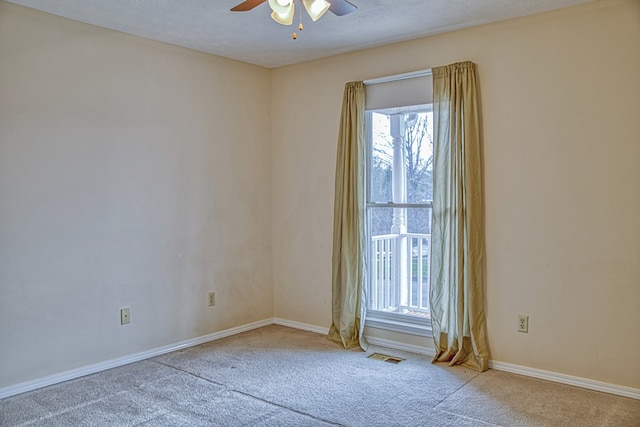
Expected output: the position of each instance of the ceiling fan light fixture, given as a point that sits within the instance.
(281, 7)
(283, 11)
(285, 18)
(316, 8)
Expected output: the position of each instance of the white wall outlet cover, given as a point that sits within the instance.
(523, 323)
(125, 316)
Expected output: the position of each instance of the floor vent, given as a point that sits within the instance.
(385, 358)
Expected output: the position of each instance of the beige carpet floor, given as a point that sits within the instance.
(277, 376)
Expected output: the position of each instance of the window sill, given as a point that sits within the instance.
(420, 326)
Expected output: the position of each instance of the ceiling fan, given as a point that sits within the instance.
(283, 11)
(338, 7)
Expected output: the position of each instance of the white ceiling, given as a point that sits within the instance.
(209, 25)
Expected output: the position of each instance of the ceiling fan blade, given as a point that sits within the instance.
(341, 7)
(247, 5)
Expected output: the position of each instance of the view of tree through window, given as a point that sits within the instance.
(418, 146)
(400, 172)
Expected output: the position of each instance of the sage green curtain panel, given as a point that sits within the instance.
(348, 223)
(457, 239)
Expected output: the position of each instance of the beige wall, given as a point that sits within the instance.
(561, 111)
(132, 173)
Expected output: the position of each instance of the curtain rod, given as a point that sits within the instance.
(395, 77)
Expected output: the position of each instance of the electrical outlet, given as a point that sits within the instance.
(212, 299)
(125, 316)
(523, 323)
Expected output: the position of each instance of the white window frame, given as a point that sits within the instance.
(396, 322)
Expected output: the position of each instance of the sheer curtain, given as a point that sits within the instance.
(348, 223)
(457, 258)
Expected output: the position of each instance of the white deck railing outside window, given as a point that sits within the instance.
(399, 273)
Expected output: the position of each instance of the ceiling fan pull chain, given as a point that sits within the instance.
(300, 27)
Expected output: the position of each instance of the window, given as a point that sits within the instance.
(398, 217)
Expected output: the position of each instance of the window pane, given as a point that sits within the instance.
(381, 159)
(380, 221)
(399, 250)
(407, 136)
(418, 145)
(418, 220)
(399, 239)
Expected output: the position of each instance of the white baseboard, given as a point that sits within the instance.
(401, 346)
(302, 326)
(587, 383)
(372, 340)
(125, 360)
